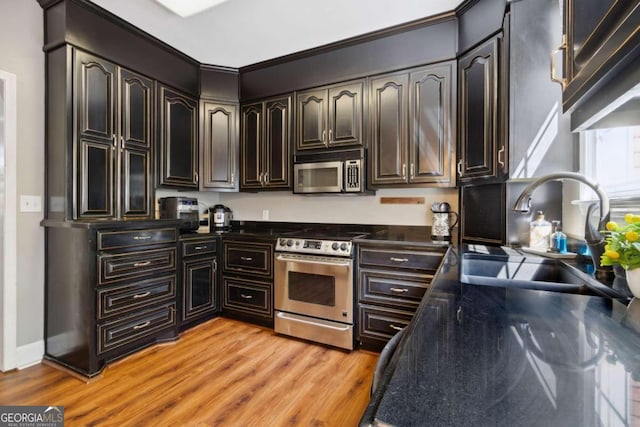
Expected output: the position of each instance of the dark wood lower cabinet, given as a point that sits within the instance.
(111, 289)
(392, 280)
(247, 280)
(199, 280)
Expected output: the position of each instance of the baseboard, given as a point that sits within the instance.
(29, 354)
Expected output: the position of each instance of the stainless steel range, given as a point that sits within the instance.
(314, 288)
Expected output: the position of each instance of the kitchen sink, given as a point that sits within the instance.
(528, 273)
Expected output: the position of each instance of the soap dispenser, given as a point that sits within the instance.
(558, 239)
(539, 233)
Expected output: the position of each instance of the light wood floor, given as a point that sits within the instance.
(221, 373)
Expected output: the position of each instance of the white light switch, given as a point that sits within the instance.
(30, 204)
(265, 214)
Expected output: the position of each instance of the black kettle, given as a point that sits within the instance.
(442, 226)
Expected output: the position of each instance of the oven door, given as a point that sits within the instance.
(314, 286)
(321, 177)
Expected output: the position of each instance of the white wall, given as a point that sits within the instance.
(283, 206)
(21, 39)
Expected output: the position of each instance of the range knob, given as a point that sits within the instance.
(343, 246)
(283, 242)
(335, 246)
(289, 242)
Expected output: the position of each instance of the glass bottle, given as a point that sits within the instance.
(539, 233)
(558, 239)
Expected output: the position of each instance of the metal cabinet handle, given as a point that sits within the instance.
(142, 237)
(394, 259)
(215, 265)
(399, 290)
(246, 258)
(246, 296)
(266, 178)
(404, 170)
(563, 47)
(324, 135)
(114, 140)
(142, 295)
(330, 135)
(501, 156)
(412, 170)
(142, 325)
(142, 264)
(233, 177)
(460, 168)
(199, 248)
(395, 328)
(121, 142)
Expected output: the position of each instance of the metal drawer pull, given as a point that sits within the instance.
(142, 325)
(142, 264)
(145, 237)
(246, 258)
(246, 296)
(394, 259)
(399, 290)
(199, 248)
(142, 295)
(396, 328)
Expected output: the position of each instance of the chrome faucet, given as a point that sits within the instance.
(592, 235)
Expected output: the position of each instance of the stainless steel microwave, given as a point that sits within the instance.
(336, 176)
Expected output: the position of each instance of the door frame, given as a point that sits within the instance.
(8, 281)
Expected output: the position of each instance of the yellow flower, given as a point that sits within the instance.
(612, 254)
(631, 236)
(612, 226)
(629, 218)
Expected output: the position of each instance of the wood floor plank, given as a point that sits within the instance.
(221, 373)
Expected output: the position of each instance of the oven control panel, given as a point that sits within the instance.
(313, 246)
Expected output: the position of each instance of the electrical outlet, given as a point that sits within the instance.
(30, 204)
(265, 214)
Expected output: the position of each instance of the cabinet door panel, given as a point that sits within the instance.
(96, 96)
(178, 133)
(311, 121)
(96, 180)
(389, 122)
(219, 145)
(478, 102)
(250, 146)
(277, 142)
(200, 285)
(136, 95)
(430, 143)
(136, 184)
(345, 114)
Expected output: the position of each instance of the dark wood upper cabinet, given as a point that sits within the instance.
(265, 144)
(601, 38)
(114, 110)
(330, 116)
(481, 149)
(412, 120)
(178, 139)
(219, 146)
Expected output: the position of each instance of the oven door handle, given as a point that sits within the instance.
(282, 315)
(311, 261)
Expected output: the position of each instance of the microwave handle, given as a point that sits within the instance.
(341, 174)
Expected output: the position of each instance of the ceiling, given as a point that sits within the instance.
(243, 32)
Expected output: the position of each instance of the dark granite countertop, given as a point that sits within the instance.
(490, 356)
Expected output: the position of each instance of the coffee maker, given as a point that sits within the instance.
(441, 227)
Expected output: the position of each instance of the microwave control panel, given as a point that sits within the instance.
(353, 175)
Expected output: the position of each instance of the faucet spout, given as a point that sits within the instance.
(593, 236)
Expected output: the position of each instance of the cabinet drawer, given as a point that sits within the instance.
(247, 296)
(125, 239)
(381, 324)
(198, 247)
(398, 289)
(134, 264)
(124, 298)
(123, 331)
(252, 258)
(428, 260)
